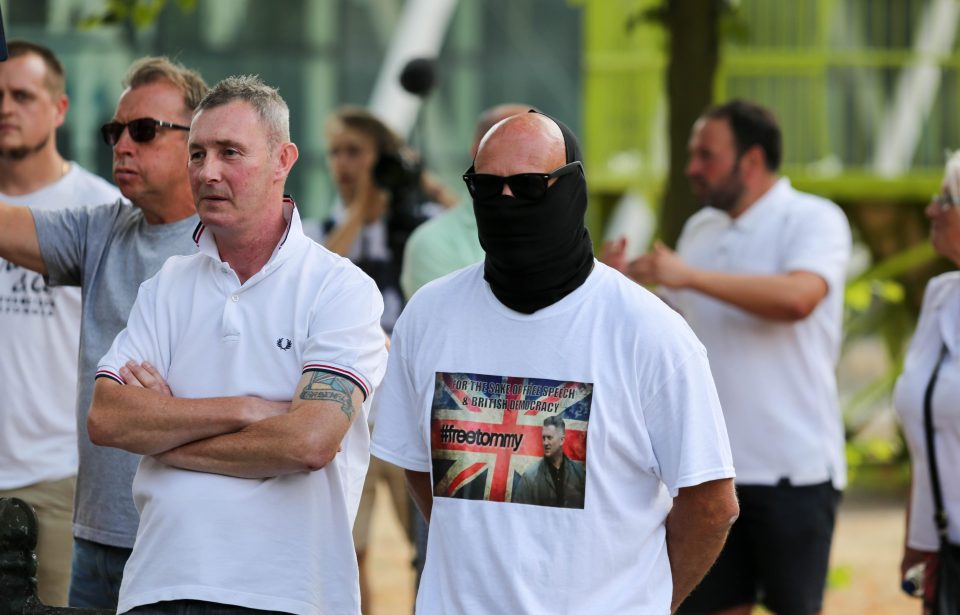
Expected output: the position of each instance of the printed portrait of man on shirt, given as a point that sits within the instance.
(507, 439)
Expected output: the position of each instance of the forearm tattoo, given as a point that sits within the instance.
(324, 386)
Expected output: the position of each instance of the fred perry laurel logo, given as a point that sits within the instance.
(283, 343)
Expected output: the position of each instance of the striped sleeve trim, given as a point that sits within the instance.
(339, 371)
(106, 373)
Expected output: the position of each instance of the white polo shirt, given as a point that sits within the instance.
(776, 379)
(281, 543)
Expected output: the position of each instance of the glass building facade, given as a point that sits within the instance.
(320, 54)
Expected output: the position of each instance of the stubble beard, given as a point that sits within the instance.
(16, 154)
(726, 195)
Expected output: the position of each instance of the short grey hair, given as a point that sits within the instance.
(265, 100)
(152, 69)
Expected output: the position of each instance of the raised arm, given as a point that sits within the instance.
(305, 439)
(142, 417)
(788, 296)
(697, 527)
(368, 204)
(18, 238)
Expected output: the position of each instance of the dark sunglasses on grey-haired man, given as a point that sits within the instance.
(141, 130)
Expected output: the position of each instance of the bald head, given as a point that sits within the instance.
(492, 116)
(526, 143)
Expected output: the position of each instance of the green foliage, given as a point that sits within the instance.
(139, 13)
(876, 304)
(898, 264)
(878, 451)
(839, 577)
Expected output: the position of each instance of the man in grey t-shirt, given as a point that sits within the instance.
(108, 251)
(40, 326)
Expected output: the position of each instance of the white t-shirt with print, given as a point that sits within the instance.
(939, 325)
(776, 379)
(281, 543)
(469, 385)
(40, 336)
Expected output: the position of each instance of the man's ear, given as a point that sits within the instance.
(285, 161)
(753, 160)
(62, 103)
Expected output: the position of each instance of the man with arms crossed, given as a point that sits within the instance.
(244, 498)
(480, 357)
(759, 275)
(107, 251)
(40, 326)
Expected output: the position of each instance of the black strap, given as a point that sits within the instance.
(939, 515)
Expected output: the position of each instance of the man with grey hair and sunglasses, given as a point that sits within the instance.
(244, 377)
(108, 250)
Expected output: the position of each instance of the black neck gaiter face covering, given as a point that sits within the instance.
(537, 252)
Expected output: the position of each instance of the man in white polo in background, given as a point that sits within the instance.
(39, 325)
(243, 377)
(759, 275)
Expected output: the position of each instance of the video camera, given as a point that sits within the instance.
(401, 175)
(398, 172)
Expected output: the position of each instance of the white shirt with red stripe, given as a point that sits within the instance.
(281, 543)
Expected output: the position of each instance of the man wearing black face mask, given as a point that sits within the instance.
(482, 357)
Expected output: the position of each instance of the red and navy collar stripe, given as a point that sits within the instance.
(339, 371)
(198, 233)
(287, 200)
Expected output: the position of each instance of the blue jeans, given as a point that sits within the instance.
(97, 571)
(195, 607)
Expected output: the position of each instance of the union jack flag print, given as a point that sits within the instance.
(485, 430)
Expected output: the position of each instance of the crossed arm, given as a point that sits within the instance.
(18, 238)
(787, 296)
(246, 437)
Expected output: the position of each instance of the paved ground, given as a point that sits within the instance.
(865, 562)
(391, 575)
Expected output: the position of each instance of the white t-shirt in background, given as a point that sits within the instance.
(776, 379)
(40, 335)
(469, 385)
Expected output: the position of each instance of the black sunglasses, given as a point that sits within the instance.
(141, 130)
(527, 186)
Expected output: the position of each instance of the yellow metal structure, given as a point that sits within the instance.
(830, 69)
